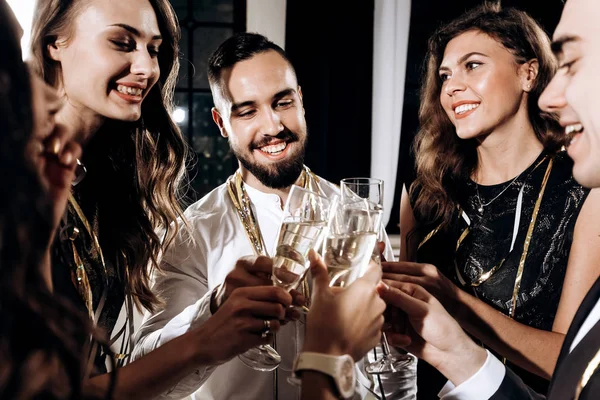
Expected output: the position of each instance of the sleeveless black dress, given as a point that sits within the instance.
(489, 242)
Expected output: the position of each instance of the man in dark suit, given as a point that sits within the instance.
(473, 372)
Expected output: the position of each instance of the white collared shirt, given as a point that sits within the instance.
(197, 261)
(488, 378)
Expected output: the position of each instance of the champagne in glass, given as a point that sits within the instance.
(367, 194)
(303, 227)
(296, 239)
(349, 246)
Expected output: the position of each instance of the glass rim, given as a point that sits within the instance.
(361, 181)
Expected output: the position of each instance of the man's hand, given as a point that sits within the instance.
(347, 321)
(433, 335)
(240, 321)
(252, 271)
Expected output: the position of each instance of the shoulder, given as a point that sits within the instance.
(562, 180)
(206, 220)
(213, 204)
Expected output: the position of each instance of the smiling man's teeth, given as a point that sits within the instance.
(129, 90)
(465, 107)
(274, 148)
(573, 128)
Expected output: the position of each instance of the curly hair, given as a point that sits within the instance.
(443, 160)
(136, 169)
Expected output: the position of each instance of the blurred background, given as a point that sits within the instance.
(359, 65)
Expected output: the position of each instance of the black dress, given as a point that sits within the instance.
(106, 281)
(489, 242)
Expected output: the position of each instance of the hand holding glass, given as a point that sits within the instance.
(362, 202)
(304, 223)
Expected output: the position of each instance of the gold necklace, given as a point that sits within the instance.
(83, 283)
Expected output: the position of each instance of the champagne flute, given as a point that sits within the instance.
(367, 193)
(304, 223)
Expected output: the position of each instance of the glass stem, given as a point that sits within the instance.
(385, 346)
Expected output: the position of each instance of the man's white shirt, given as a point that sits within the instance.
(197, 261)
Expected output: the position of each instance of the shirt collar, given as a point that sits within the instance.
(261, 198)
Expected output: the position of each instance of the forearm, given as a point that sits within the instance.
(154, 374)
(317, 386)
(155, 335)
(533, 349)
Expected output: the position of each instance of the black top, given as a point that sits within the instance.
(490, 239)
(108, 284)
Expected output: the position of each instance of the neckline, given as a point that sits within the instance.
(257, 196)
(516, 178)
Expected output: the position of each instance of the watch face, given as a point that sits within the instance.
(347, 375)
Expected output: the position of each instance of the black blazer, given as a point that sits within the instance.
(570, 365)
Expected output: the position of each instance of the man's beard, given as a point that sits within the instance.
(279, 175)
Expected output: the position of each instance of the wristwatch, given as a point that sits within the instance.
(340, 368)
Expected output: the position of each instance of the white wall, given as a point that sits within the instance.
(267, 17)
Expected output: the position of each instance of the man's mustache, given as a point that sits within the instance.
(286, 135)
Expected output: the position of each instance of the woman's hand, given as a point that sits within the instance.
(347, 321)
(433, 335)
(426, 276)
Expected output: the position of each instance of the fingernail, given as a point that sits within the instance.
(54, 146)
(67, 158)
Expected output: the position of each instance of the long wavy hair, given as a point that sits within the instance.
(443, 160)
(135, 169)
(40, 354)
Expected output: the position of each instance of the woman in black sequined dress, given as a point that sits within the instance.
(481, 216)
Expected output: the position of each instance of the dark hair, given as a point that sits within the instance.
(239, 47)
(443, 160)
(39, 353)
(135, 168)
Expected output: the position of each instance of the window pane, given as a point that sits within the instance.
(206, 41)
(185, 63)
(181, 8)
(203, 123)
(215, 161)
(213, 10)
(181, 113)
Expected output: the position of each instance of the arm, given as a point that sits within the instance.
(318, 386)
(584, 266)
(233, 329)
(183, 286)
(473, 373)
(235, 326)
(532, 349)
(345, 322)
(408, 224)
